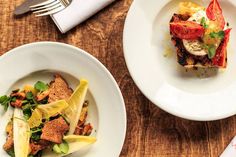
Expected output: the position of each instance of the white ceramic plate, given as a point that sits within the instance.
(39, 61)
(161, 79)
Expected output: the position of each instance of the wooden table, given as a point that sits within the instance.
(151, 132)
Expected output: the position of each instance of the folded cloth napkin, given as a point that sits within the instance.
(77, 12)
(230, 151)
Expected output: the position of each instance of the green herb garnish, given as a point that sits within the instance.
(211, 51)
(36, 133)
(13, 99)
(11, 152)
(220, 34)
(24, 102)
(29, 96)
(203, 23)
(40, 86)
(27, 111)
(5, 101)
(35, 137)
(36, 130)
(29, 105)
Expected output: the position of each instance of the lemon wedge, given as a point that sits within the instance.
(72, 113)
(75, 143)
(46, 111)
(189, 8)
(21, 134)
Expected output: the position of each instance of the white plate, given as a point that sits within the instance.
(161, 79)
(39, 61)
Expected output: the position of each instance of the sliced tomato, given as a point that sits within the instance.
(221, 53)
(186, 30)
(214, 13)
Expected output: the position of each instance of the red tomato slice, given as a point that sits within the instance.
(214, 13)
(221, 53)
(186, 30)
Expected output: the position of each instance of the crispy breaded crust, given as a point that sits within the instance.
(59, 89)
(54, 130)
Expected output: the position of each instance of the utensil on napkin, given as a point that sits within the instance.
(25, 6)
(77, 12)
(50, 7)
(230, 150)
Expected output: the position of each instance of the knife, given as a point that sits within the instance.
(24, 7)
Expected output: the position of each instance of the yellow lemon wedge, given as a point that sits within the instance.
(189, 8)
(46, 111)
(21, 134)
(72, 113)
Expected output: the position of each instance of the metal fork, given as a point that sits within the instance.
(50, 7)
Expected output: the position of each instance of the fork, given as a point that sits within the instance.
(50, 7)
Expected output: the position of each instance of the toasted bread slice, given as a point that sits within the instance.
(59, 89)
(184, 58)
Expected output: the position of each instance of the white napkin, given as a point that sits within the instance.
(77, 12)
(230, 151)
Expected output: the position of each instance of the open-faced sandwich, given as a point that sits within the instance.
(49, 120)
(200, 35)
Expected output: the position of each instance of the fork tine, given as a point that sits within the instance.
(42, 4)
(52, 11)
(45, 6)
(65, 2)
(48, 9)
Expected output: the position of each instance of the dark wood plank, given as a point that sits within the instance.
(151, 132)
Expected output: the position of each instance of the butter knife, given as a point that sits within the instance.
(24, 7)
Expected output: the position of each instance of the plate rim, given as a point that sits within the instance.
(92, 58)
(156, 102)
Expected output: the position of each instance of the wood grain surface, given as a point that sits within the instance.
(151, 132)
